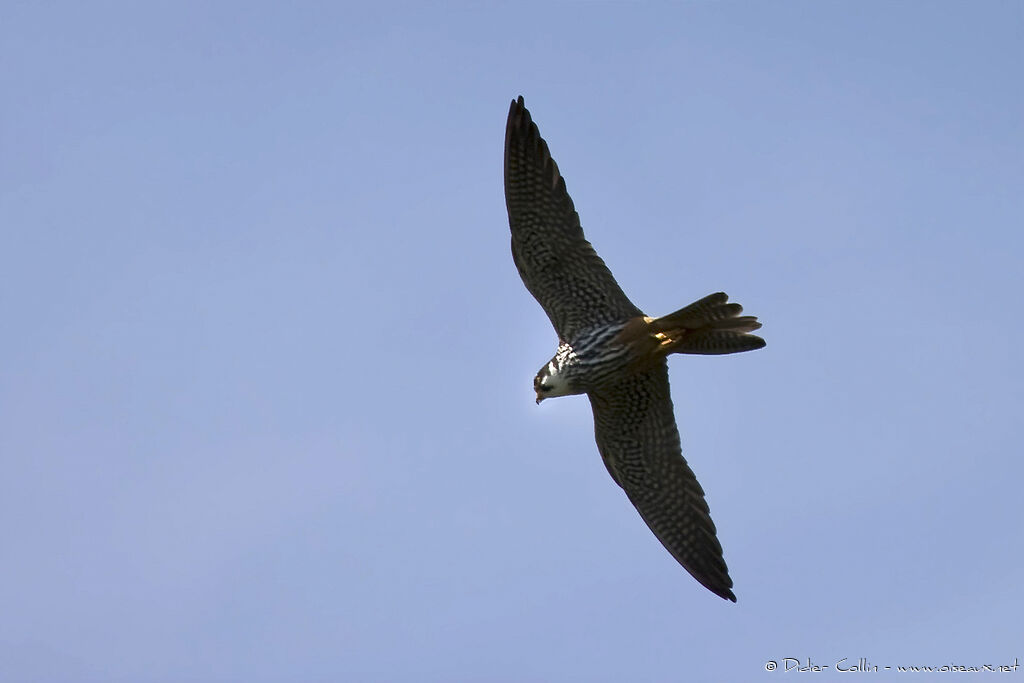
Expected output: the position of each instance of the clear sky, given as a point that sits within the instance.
(266, 407)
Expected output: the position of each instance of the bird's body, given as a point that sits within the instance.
(610, 351)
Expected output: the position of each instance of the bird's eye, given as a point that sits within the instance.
(545, 388)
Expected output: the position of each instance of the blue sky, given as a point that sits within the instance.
(266, 406)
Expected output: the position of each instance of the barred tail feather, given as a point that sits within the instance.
(710, 326)
(718, 342)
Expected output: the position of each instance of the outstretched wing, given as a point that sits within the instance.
(639, 442)
(557, 264)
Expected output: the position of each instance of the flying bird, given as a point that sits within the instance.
(610, 351)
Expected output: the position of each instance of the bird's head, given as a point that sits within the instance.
(552, 381)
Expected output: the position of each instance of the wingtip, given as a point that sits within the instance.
(517, 106)
(518, 114)
(722, 591)
(520, 129)
(722, 587)
(518, 119)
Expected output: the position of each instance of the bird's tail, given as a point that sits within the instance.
(710, 326)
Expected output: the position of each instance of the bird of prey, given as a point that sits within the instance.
(610, 351)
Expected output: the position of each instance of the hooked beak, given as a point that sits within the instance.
(540, 397)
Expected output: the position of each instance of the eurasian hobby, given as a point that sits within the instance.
(610, 351)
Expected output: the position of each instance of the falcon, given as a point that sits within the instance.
(610, 351)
